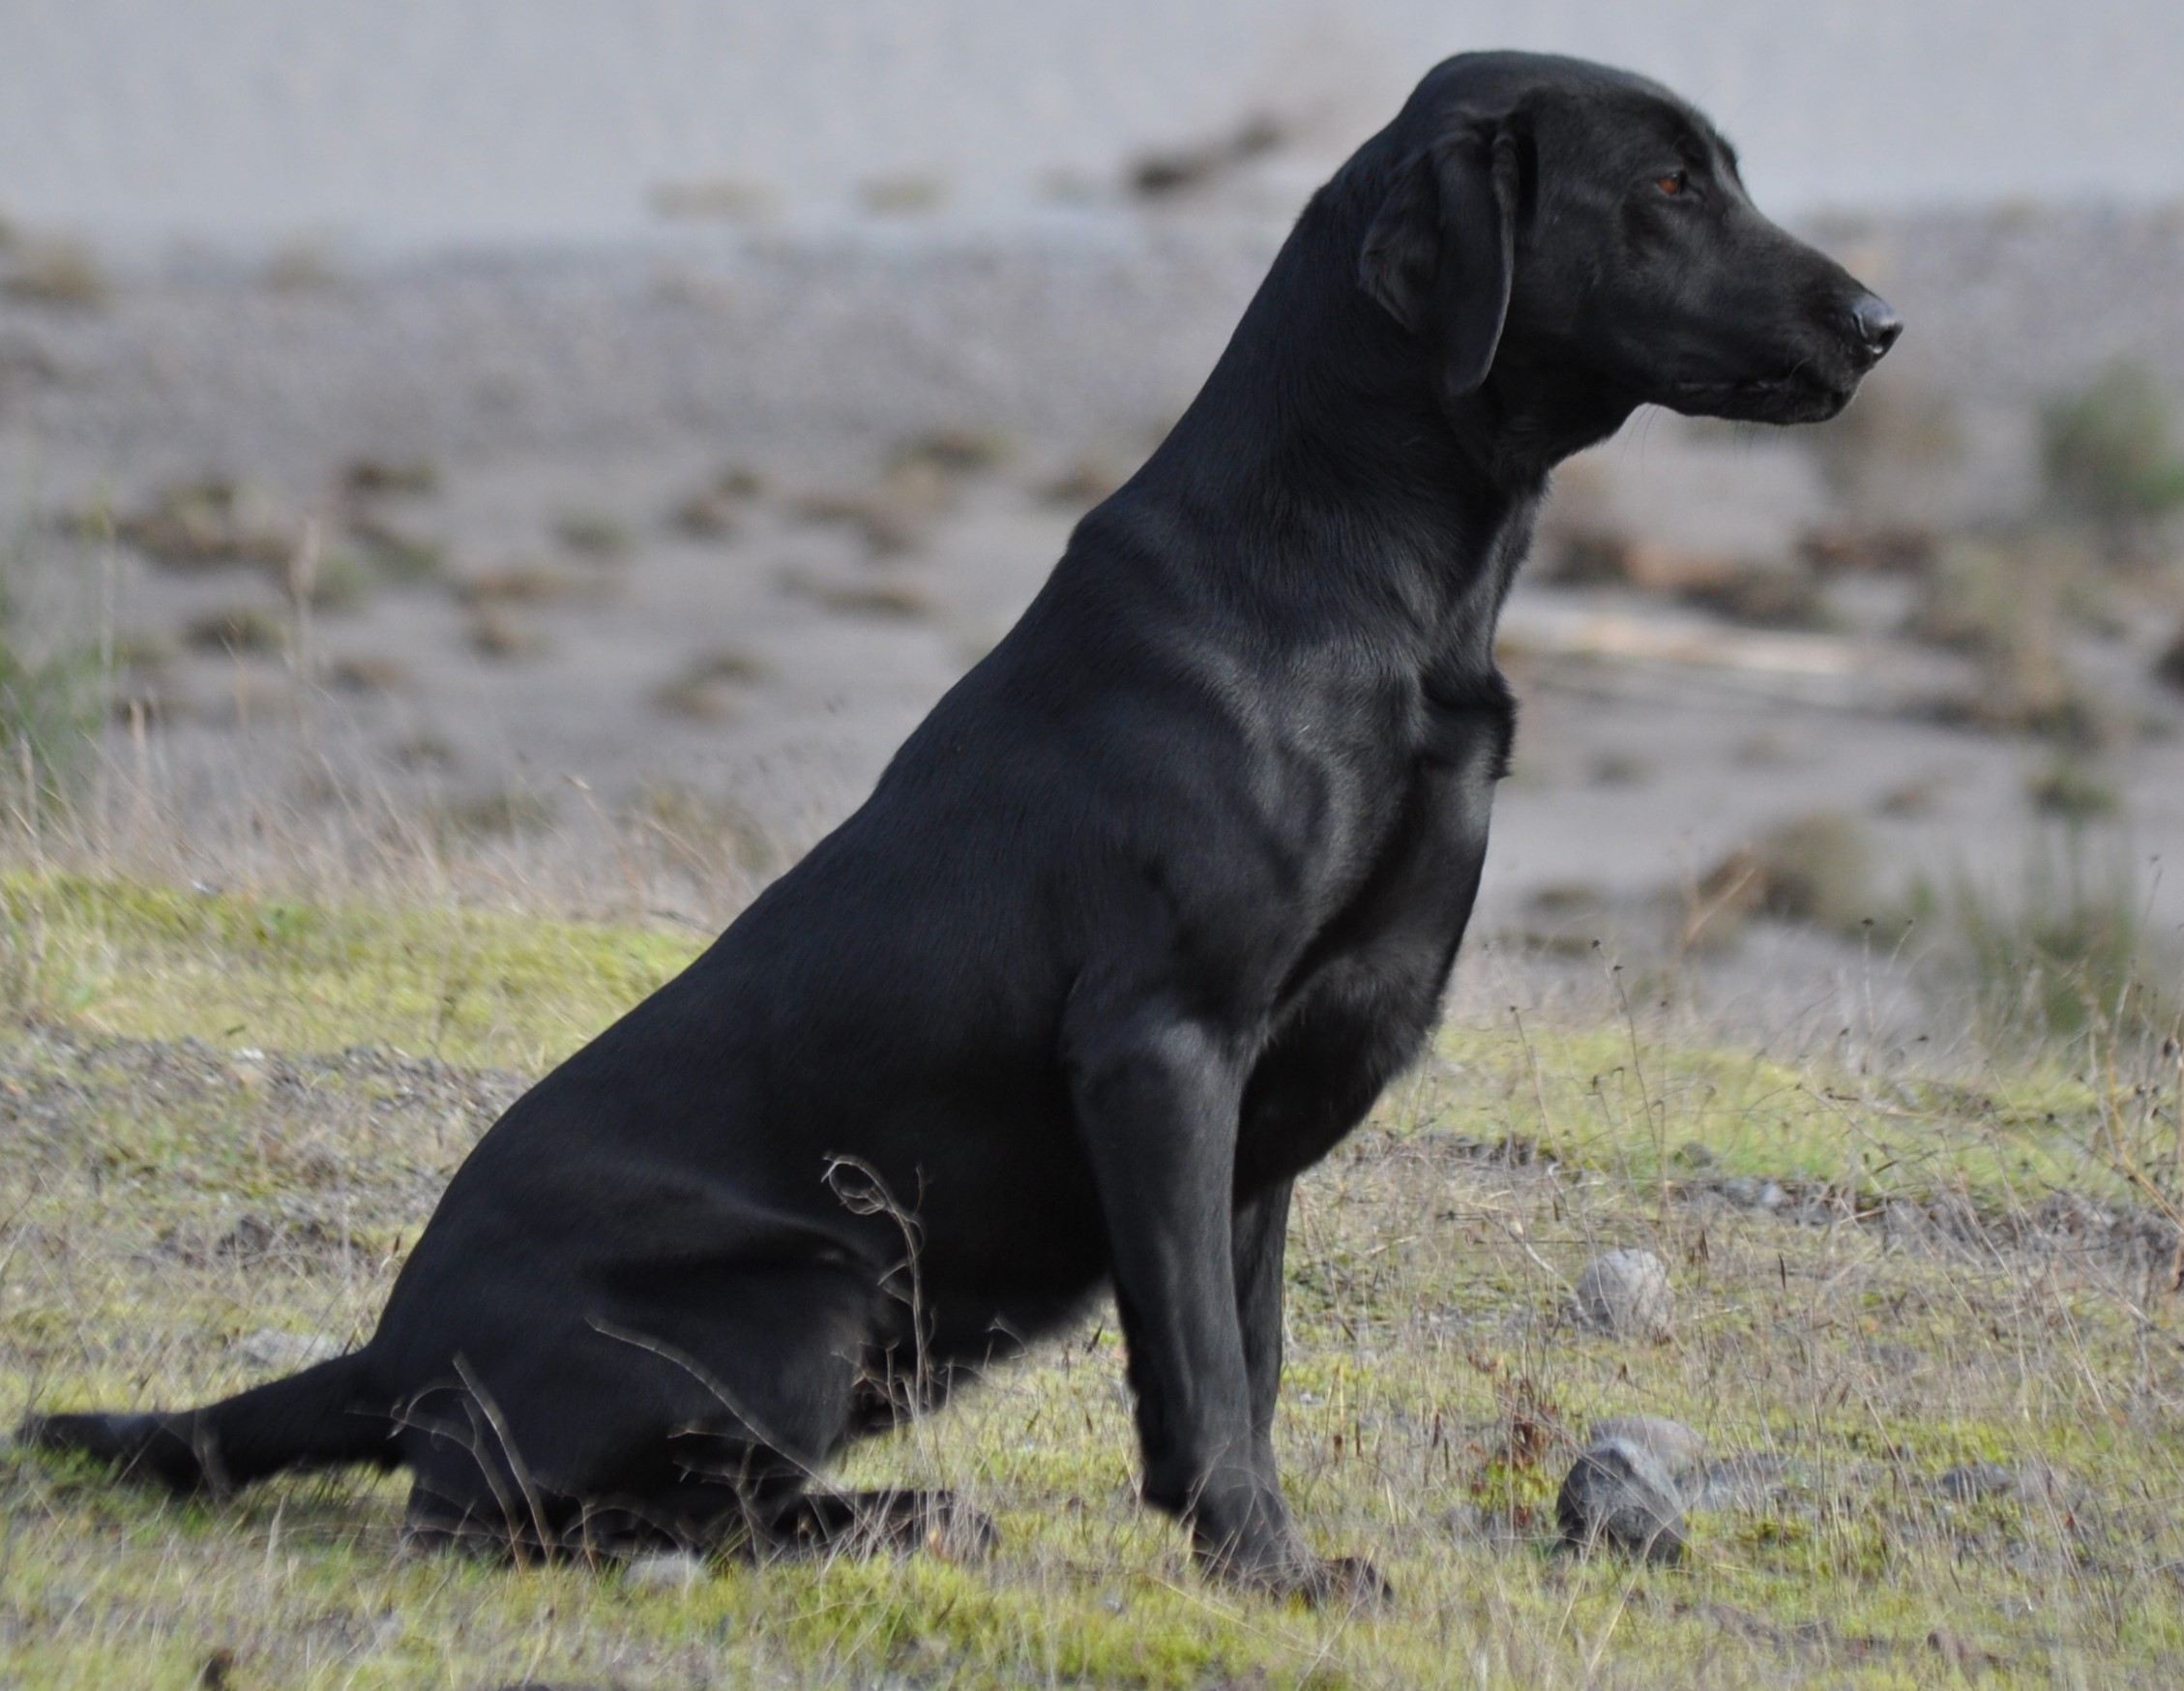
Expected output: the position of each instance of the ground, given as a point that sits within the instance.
(502, 545)
(404, 670)
(1928, 1331)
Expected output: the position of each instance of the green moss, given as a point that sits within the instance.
(471, 986)
(1431, 1404)
(1631, 1108)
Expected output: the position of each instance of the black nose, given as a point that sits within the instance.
(1873, 320)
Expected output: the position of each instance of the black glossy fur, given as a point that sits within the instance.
(1133, 929)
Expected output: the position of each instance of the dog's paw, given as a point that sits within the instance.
(1296, 1575)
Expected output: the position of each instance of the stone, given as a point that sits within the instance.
(2041, 1482)
(1681, 1450)
(1969, 1659)
(1897, 1361)
(1626, 1294)
(270, 1347)
(1903, 1226)
(1754, 1192)
(666, 1570)
(1618, 1493)
(1751, 1481)
(1974, 1480)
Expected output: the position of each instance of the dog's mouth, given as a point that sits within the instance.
(1798, 395)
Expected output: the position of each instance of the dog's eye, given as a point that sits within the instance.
(1675, 182)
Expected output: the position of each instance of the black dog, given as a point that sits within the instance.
(1132, 931)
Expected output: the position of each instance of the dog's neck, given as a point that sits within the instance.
(1332, 415)
(1532, 412)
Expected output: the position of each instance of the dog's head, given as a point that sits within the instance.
(1584, 223)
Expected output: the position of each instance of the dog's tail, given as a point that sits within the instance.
(321, 1417)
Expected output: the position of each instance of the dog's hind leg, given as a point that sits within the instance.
(690, 1417)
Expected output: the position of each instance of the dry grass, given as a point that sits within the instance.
(59, 273)
(593, 535)
(229, 1111)
(1921, 1301)
(1815, 868)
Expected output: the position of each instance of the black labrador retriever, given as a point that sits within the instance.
(1133, 929)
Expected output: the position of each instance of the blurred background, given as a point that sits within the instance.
(560, 447)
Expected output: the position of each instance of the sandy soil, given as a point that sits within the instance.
(550, 625)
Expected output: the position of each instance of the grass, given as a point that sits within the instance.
(1815, 868)
(2071, 959)
(48, 719)
(591, 535)
(2008, 604)
(475, 989)
(60, 272)
(2108, 448)
(50, 700)
(1432, 1398)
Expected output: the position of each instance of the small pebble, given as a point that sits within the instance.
(666, 1570)
(1750, 1481)
(2040, 1482)
(1753, 1192)
(1625, 1293)
(1975, 1480)
(1960, 1653)
(270, 1347)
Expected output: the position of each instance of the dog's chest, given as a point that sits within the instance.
(1348, 777)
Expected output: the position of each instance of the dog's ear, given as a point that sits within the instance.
(1441, 252)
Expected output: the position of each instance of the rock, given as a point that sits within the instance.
(2169, 666)
(1625, 1293)
(270, 1347)
(1903, 1226)
(2041, 1482)
(666, 1570)
(1897, 1361)
(1813, 1638)
(1680, 1450)
(1960, 1653)
(1748, 1481)
(1618, 1493)
(1753, 1192)
(1974, 1480)
(1738, 1482)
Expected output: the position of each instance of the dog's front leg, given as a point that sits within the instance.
(1156, 1096)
